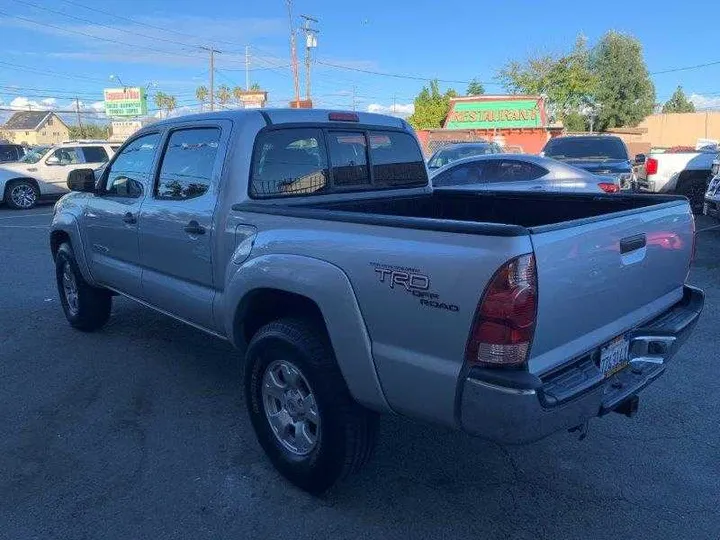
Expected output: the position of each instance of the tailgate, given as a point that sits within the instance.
(604, 276)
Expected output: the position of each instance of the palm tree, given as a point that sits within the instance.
(202, 95)
(255, 86)
(170, 104)
(160, 100)
(223, 95)
(237, 94)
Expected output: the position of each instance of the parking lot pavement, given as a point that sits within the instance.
(139, 431)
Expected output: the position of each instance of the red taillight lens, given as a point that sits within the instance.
(609, 187)
(651, 166)
(343, 117)
(505, 319)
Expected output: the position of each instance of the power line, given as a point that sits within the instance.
(397, 75)
(109, 40)
(686, 68)
(51, 73)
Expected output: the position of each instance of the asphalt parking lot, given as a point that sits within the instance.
(139, 431)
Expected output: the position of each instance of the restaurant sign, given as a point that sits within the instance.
(490, 114)
(125, 102)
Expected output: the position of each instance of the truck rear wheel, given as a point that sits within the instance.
(86, 308)
(312, 430)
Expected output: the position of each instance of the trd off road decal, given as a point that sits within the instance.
(412, 281)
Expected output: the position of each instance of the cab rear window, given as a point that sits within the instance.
(314, 161)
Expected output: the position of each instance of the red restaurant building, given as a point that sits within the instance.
(518, 123)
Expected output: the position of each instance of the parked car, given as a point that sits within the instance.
(43, 172)
(711, 207)
(453, 152)
(515, 172)
(681, 170)
(353, 288)
(604, 155)
(11, 152)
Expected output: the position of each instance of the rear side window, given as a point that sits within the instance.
(289, 162)
(510, 170)
(188, 163)
(462, 175)
(396, 160)
(95, 154)
(9, 153)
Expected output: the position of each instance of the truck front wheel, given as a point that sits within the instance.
(86, 308)
(312, 430)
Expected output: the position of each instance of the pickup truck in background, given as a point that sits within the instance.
(602, 155)
(312, 241)
(683, 171)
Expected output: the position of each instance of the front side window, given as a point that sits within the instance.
(8, 153)
(396, 160)
(461, 175)
(132, 167)
(95, 154)
(34, 155)
(187, 165)
(67, 156)
(289, 162)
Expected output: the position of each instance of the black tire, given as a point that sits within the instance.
(33, 194)
(93, 304)
(693, 187)
(347, 431)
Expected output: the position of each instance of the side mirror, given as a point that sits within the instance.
(81, 180)
(52, 160)
(639, 159)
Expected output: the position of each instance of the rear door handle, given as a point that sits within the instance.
(194, 228)
(129, 218)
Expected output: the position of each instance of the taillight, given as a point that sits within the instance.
(609, 187)
(651, 166)
(505, 318)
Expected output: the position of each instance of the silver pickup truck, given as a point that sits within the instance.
(312, 241)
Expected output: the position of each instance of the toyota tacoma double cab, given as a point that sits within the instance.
(313, 242)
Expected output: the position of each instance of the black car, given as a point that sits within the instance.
(604, 155)
(10, 152)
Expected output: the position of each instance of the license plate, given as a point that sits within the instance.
(614, 356)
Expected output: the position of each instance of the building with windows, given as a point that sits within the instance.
(35, 127)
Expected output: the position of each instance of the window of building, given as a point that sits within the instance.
(188, 163)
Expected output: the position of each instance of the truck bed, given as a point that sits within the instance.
(530, 210)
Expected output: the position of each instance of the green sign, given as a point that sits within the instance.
(124, 102)
(490, 114)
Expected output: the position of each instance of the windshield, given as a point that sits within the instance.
(586, 148)
(34, 155)
(445, 156)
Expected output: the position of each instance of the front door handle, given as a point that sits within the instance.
(194, 228)
(129, 218)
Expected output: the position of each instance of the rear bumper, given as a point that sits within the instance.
(518, 407)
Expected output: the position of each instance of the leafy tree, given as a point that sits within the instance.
(89, 131)
(475, 88)
(202, 94)
(625, 94)
(237, 93)
(160, 98)
(255, 86)
(566, 81)
(165, 102)
(431, 107)
(223, 95)
(575, 121)
(678, 103)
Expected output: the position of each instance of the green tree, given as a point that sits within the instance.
(475, 88)
(566, 81)
(625, 94)
(223, 95)
(202, 95)
(255, 86)
(237, 93)
(678, 103)
(89, 131)
(165, 102)
(431, 107)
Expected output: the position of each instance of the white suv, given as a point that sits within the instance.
(43, 171)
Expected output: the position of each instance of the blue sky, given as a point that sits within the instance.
(68, 54)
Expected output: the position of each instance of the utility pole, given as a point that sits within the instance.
(394, 103)
(310, 43)
(293, 53)
(77, 111)
(353, 99)
(212, 52)
(247, 67)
